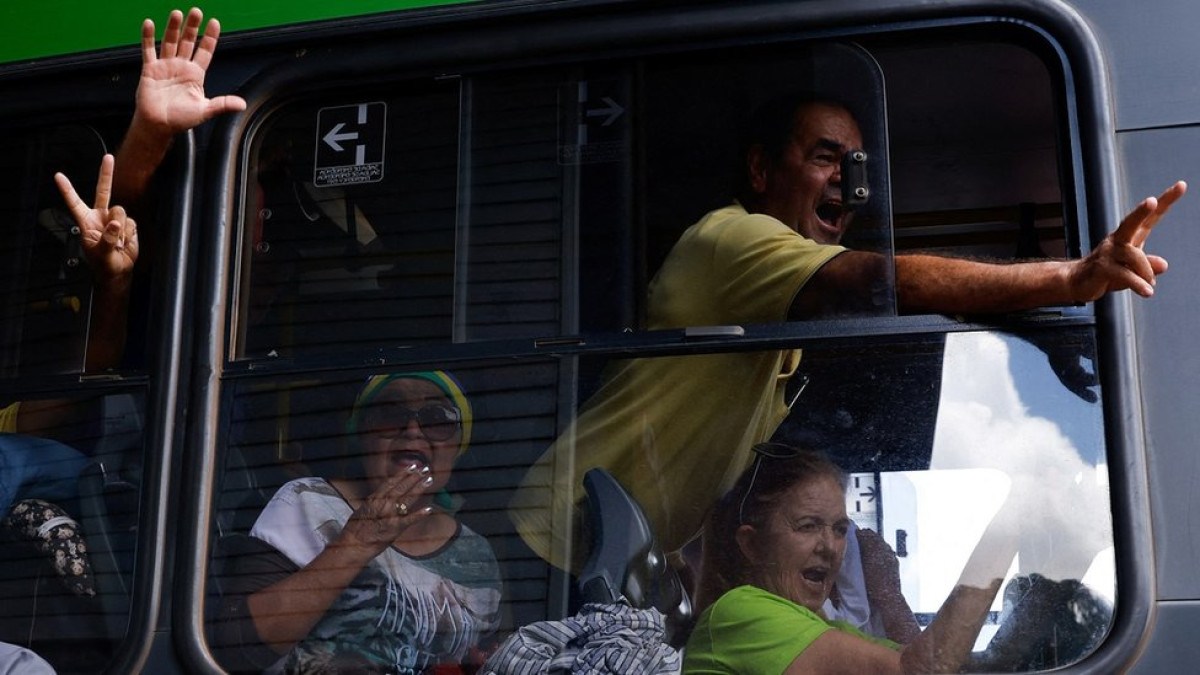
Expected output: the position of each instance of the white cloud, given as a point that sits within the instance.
(984, 423)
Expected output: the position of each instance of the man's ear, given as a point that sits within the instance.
(746, 537)
(757, 164)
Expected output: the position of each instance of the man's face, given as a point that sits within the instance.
(803, 187)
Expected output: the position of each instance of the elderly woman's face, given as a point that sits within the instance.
(799, 550)
(410, 422)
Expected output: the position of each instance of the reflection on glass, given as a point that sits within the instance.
(937, 432)
(1003, 410)
(1016, 418)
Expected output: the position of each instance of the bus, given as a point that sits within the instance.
(488, 188)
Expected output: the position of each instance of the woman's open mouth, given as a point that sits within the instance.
(409, 460)
(816, 575)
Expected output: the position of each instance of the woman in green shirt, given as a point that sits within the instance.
(777, 542)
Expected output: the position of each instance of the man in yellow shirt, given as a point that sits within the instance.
(676, 431)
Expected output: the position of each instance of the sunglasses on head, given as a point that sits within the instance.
(770, 451)
(438, 422)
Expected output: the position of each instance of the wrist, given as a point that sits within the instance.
(1067, 274)
(145, 142)
(355, 548)
(112, 284)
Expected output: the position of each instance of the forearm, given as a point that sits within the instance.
(108, 325)
(141, 153)
(899, 623)
(935, 284)
(285, 612)
(944, 646)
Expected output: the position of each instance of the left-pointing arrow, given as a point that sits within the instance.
(333, 138)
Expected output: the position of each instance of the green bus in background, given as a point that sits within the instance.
(75, 26)
(487, 189)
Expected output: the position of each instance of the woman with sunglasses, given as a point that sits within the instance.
(772, 549)
(372, 572)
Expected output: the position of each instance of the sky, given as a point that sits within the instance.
(1006, 427)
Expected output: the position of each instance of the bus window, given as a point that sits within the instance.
(473, 215)
(332, 246)
(954, 443)
(72, 447)
(967, 180)
(46, 282)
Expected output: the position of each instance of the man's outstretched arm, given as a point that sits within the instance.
(943, 285)
(850, 282)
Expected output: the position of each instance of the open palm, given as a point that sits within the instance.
(171, 91)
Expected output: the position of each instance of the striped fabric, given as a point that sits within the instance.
(601, 638)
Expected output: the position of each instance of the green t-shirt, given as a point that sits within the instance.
(749, 631)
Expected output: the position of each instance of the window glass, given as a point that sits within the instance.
(937, 434)
(933, 453)
(506, 205)
(71, 503)
(71, 448)
(314, 447)
(349, 224)
(557, 201)
(975, 136)
(45, 280)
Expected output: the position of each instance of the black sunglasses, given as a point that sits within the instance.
(438, 422)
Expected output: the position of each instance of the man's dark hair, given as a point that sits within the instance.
(771, 126)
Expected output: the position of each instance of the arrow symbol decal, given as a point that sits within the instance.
(613, 110)
(334, 138)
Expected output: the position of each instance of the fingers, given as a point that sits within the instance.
(180, 38)
(131, 239)
(1130, 228)
(114, 231)
(191, 28)
(208, 44)
(1165, 201)
(1140, 276)
(148, 53)
(225, 104)
(1136, 227)
(120, 234)
(104, 183)
(1157, 263)
(79, 210)
(170, 41)
(396, 500)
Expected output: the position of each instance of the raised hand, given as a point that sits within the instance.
(170, 100)
(392, 508)
(107, 234)
(170, 96)
(1120, 261)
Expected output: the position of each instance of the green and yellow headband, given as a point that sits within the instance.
(444, 381)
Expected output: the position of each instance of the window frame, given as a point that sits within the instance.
(572, 31)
